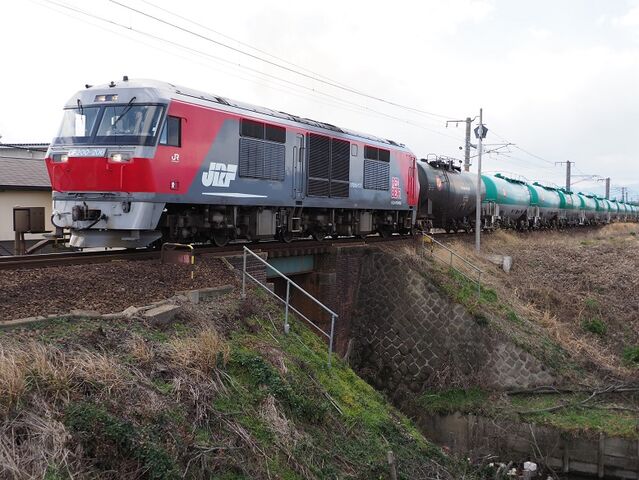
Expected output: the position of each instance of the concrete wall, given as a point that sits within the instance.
(410, 336)
(475, 436)
(23, 198)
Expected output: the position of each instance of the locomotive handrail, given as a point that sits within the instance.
(430, 239)
(287, 304)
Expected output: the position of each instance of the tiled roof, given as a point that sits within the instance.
(23, 173)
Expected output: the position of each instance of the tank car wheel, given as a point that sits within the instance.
(220, 237)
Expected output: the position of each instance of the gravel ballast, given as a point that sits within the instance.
(106, 287)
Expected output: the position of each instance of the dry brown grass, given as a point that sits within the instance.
(97, 370)
(13, 376)
(139, 349)
(33, 443)
(46, 368)
(554, 277)
(203, 352)
(283, 429)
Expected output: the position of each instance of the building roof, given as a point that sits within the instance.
(23, 173)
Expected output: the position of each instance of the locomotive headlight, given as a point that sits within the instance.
(60, 158)
(120, 158)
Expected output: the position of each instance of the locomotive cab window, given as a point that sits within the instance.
(171, 134)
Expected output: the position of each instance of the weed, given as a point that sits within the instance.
(513, 317)
(595, 325)
(263, 374)
(631, 355)
(488, 295)
(163, 386)
(112, 440)
(591, 304)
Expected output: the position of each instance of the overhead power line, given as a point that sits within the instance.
(315, 77)
(239, 42)
(252, 70)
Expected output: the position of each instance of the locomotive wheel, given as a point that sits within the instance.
(319, 235)
(220, 237)
(385, 232)
(285, 236)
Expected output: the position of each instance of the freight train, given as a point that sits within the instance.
(448, 198)
(141, 162)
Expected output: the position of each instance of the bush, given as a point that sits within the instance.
(594, 325)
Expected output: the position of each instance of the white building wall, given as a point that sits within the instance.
(22, 198)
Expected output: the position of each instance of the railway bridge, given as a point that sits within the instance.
(398, 328)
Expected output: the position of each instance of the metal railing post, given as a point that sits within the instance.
(451, 258)
(479, 285)
(330, 340)
(244, 275)
(288, 296)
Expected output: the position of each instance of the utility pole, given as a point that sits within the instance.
(607, 188)
(468, 145)
(480, 133)
(568, 163)
(467, 149)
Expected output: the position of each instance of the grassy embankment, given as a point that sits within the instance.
(221, 393)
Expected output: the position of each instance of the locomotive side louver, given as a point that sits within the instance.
(376, 174)
(319, 158)
(260, 159)
(340, 167)
(328, 166)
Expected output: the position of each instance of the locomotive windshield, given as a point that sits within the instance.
(110, 125)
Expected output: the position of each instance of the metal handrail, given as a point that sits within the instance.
(287, 304)
(455, 255)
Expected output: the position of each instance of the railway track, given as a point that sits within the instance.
(93, 257)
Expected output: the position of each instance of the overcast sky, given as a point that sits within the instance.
(559, 78)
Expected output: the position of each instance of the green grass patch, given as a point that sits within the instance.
(466, 291)
(594, 325)
(590, 419)
(163, 386)
(454, 400)
(631, 355)
(591, 304)
(513, 317)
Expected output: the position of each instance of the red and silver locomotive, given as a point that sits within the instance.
(137, 162)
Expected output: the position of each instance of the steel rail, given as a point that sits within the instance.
(15, 262)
